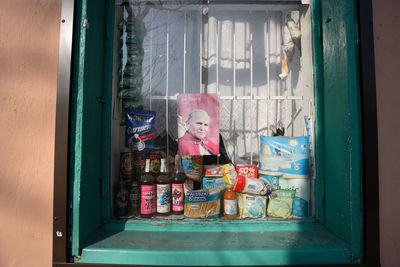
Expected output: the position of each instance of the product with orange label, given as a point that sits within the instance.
(250, 185)
(230, 204)
(229, 173)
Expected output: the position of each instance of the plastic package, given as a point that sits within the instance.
(284, 156)
(250, 185)
(229, 173)
(192, 167)
(252, 206)
(280, 204)
(139, 131)
(202, 204)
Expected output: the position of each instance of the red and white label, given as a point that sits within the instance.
(247, 170)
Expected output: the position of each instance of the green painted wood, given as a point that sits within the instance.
(341, 123)
(319, 108)
(216, 248)
(86, 122)
(338, 164)
(213, 226)
(107, 111)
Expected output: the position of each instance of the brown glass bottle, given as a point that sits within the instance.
(177, 191)
(163, 189)
(147, 193)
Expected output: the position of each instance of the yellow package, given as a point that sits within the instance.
(229, 173)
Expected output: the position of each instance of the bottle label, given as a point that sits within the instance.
(178, 195)
(163, 198)
(148, 197)
(230, 206)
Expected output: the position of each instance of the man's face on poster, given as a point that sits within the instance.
(198, 124)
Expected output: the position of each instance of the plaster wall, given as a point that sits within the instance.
(29, 36)
(386, 42)
(28, 80)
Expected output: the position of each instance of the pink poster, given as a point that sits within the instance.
(198, 124)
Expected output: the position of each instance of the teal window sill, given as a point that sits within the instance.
(165, 242)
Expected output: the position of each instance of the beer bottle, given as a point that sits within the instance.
(178, 193)
(147, 193)
(134, 196)
(163, 188)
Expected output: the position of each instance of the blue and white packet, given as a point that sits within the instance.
(140, 129)
(284, 156)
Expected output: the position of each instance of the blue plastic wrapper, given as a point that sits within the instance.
(284, 156)
(139, 131)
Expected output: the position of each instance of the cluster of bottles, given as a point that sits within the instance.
(131, 58)
(152, 193)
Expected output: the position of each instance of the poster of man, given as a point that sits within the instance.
(198, 124)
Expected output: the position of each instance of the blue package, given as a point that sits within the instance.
(284, 156)
(139, 131)
(214, 182)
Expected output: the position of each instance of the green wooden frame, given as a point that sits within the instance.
(338, 149)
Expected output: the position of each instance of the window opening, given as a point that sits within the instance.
(249, 55)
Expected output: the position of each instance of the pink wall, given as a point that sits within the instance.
(29, 34)
(28, 74)
(387, 43)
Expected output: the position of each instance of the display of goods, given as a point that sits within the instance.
(252, 206)
(139, 131)
(229, 173)
(212, 170)
(284, 156)
(281, 203)
(202, 204)
(247, 170)
(250, 185)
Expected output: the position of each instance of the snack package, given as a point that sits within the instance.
(286, 157)
(192, 167)
(213, 182)
(250, 185)
(252, 206)
(229, 173)
(212, 170)
(280, 204)
(202, 204)
(139, 130)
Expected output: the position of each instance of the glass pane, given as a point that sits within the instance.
(255, 57)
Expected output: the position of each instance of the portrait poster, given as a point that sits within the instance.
(198, 124)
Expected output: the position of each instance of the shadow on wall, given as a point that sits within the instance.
(28, 75)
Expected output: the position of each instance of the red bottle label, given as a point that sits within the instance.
(148, 199)
(178, 195)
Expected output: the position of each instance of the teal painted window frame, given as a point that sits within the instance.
(91, 188)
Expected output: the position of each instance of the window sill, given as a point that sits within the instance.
(200, 243)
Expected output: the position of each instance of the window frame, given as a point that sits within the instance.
(61, 231)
